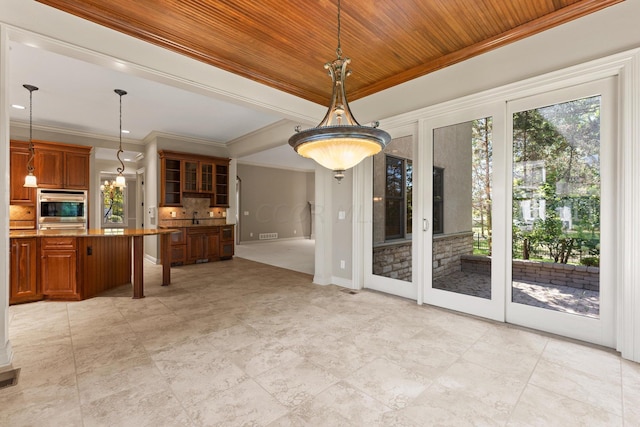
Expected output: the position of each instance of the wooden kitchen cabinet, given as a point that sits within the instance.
(171, 178)
(226, 241)
(196, 244)
(203, 244)
(178, 247)
(76, 175)
(19, 158)
(57, 165)
(222, 185)
(49, 164)
(188, 175)
(23, 271)
(198, 177)
(58, 262)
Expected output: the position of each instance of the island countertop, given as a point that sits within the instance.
(81, 258)
(92, 232)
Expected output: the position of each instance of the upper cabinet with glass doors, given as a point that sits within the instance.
(198, 176)
(186, 175)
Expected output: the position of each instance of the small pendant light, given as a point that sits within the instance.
(30, 180)
(120, 181)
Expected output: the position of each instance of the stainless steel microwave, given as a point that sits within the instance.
(62, 209)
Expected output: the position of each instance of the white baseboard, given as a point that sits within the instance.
(339, 281)
(6, 355)
(154, 260)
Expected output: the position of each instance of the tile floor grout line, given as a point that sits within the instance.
(528, 381)
(75, 364)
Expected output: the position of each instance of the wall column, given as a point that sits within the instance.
(5, 346)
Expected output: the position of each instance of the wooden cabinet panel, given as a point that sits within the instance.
(103, 263)
(221, 197)
(178, 254)
(24, 277)
(188, 175)
(20, 195)
(58, 270)
(226, 241)
(195, 247)
(76, 171)
(198, 177)
(56, 166)
(178, 247)
(203, 244)
(171, 178)
(206, 177)
(49, 166)
(212, 245)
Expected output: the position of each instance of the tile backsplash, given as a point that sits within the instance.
(192, 207)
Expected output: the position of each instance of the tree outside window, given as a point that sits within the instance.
(113, 206)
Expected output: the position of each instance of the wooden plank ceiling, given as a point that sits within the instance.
(285, 43)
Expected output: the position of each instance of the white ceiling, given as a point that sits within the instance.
(78, 96)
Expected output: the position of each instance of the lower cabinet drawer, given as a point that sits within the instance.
(56, 243)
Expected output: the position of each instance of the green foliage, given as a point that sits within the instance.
(557, 169)
(591, 261)
(113, 206)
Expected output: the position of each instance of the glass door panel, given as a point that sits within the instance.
(392, 219)
(461, 250)
(463, 266)
(561, 229)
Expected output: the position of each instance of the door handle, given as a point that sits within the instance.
(425, 224)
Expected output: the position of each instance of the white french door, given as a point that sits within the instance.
(388, 241)
(562, 222)
(464, 252)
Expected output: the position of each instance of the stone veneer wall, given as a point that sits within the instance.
(575, 276)
(447, 250)
(393, 260)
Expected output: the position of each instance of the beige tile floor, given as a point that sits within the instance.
(292, 254)
(242, 343)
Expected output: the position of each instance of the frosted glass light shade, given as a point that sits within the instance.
(339, 154)
(120, 181)
(30, 181)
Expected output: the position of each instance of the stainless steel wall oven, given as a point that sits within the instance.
(62, 209)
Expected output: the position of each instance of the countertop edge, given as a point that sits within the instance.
(92, 232)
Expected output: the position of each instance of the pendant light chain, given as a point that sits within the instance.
(120, 170)
(30, 167)
(339, 49)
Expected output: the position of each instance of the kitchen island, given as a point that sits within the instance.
(79, 264)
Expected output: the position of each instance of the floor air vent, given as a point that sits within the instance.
(267, 236)
(9, 378)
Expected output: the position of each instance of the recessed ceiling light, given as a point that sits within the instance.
(18, 107)
(125, 131)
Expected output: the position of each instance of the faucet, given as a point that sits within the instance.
(194, 220)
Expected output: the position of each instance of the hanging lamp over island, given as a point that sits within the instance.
(30, 179)
(120, 181)
(109, 188)
(339, 142)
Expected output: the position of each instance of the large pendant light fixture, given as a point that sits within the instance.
(339, 142)
(120, 181)
(30, 180)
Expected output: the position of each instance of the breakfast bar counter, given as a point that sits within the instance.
(79, 264)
